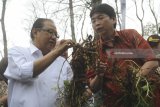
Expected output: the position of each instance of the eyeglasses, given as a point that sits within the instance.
(51, 32)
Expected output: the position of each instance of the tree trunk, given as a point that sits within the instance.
(154, 15)
(3, 28)
(123, 10)
(140, 19)
(72, 20)
(117, 13)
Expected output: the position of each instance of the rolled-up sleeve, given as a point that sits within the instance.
(19, 67)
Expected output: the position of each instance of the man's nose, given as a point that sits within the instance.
(53, 37)
(97, 23)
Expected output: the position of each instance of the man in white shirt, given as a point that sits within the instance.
(35, 74)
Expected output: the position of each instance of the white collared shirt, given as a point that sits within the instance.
(26, 91)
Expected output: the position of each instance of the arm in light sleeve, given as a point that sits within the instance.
(18, 66)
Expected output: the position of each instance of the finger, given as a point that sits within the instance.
(70, 43)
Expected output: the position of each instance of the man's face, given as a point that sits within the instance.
(45, 38)
(102, 24)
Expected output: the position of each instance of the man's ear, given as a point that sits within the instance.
(34, 31)
(114, 19)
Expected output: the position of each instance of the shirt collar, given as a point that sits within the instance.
(115, 37)
(33, 49)
(116, 34)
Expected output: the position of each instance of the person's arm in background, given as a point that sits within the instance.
(3, 101)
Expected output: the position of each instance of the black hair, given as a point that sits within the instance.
(39, 23)
(104, 8)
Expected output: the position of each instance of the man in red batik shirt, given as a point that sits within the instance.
(117, 49)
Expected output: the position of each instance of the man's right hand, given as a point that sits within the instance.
(100, 68)
(61, 48)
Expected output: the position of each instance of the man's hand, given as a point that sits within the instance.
(100, 68)
(97, 82)
(64, 45)
(148, 67)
